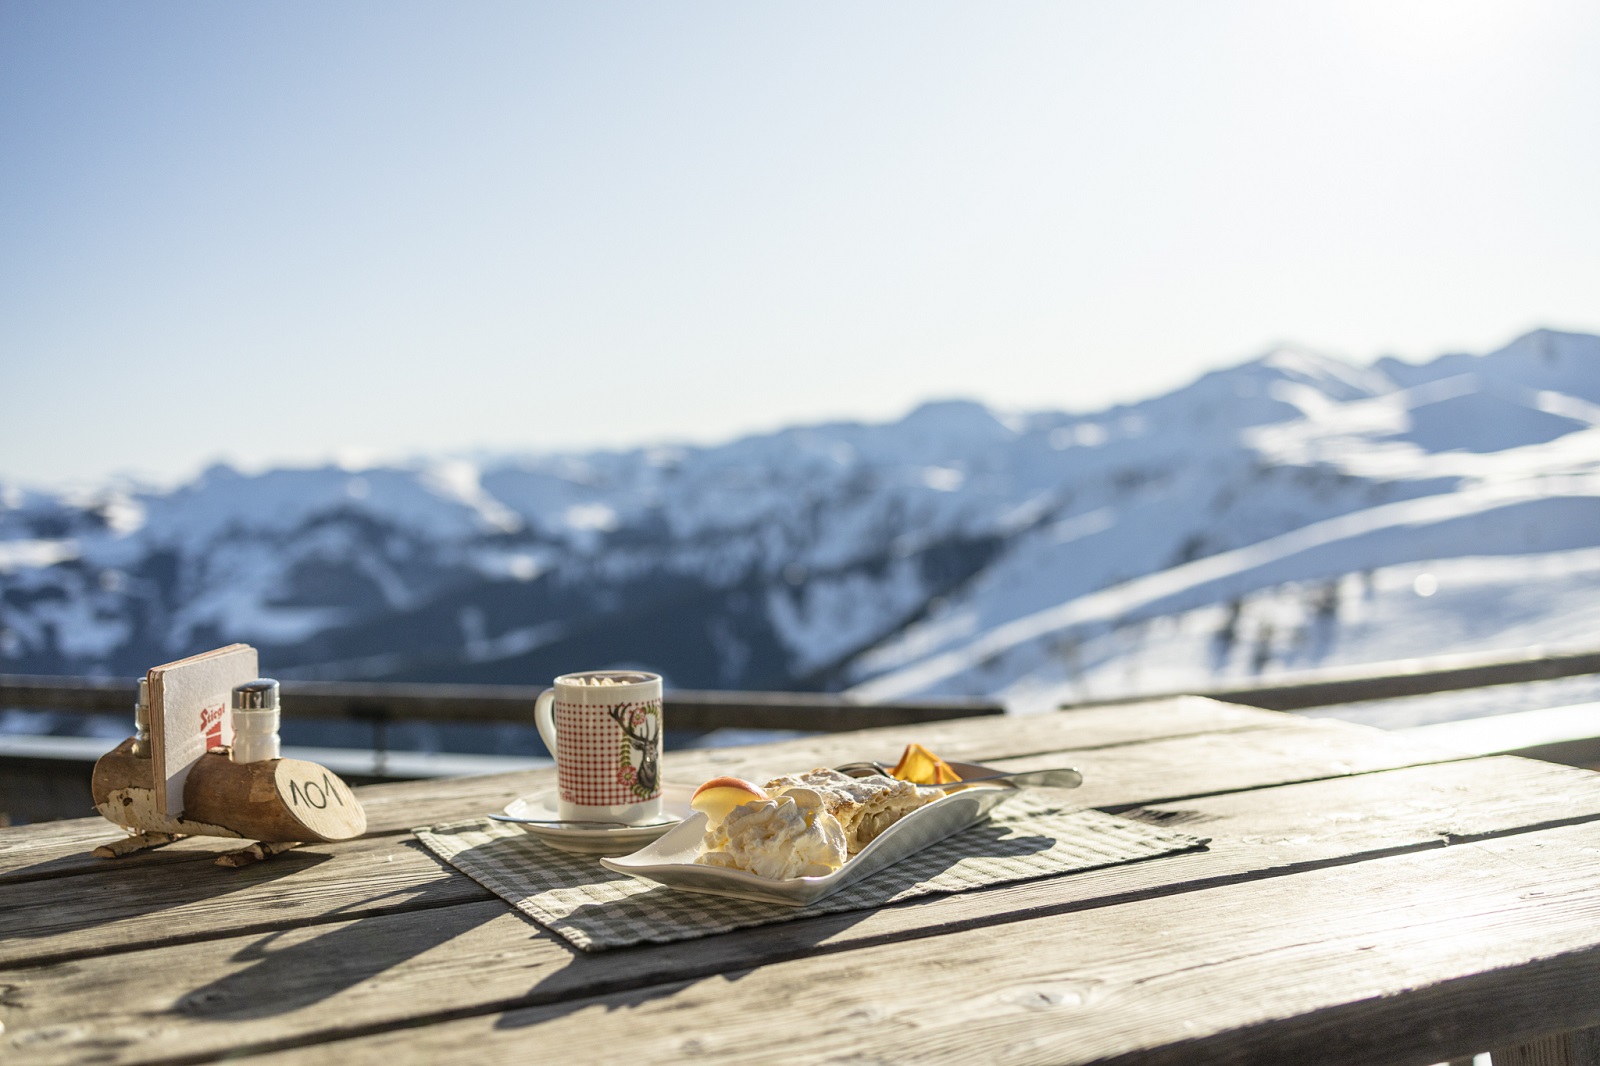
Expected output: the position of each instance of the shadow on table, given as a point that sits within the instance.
(81, 862)
(628, 977)
(293, 968)
(45, 908)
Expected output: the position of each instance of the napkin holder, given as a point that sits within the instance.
(177, 777)
(277, 803)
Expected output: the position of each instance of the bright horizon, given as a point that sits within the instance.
(274, 235)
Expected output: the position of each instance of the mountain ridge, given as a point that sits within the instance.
(821, 556)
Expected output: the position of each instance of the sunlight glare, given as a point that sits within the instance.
(1439, 32)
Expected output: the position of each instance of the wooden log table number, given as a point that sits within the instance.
(204, 762)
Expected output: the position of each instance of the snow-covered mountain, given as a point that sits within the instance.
(1290, 512)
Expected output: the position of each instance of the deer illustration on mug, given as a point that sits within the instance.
(641, 725)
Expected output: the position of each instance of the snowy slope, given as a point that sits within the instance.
(957, 550)
(1484, 467)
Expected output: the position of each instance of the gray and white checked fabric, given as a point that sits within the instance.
(594, 909)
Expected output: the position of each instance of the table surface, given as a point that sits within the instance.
(1364, 899)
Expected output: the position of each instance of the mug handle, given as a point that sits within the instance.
(544, 720)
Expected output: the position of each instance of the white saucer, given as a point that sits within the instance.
(620, 840)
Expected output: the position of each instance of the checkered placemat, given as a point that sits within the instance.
(594, 909)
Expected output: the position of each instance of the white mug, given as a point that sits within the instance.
(604, 729)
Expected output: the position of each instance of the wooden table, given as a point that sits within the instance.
(1364, 899)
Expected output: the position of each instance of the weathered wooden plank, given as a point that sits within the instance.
(61, 848)
(1580, 1047)
(387, 970)
(48, 849)
(152, 905)
(57, 916)
(1208, 763)
(1568, 735)
(1404, 959)
(1148, 745)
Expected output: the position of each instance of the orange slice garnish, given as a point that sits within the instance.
(922, 767)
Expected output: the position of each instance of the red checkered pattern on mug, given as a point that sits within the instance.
(592, 747)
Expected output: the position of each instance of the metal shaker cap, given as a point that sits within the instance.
(258, 695)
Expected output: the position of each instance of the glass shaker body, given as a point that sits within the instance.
(141, 721)
(255, 721)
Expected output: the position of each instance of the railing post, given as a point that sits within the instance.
(378, 717)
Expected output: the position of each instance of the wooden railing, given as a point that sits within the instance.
(1570, 735)
(1390, 680)
(827, 712)
(379, 703)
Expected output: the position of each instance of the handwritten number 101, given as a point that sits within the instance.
(317, 798)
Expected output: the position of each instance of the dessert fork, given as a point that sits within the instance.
(1062, 777)
(582, 823)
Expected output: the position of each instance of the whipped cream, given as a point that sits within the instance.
(788, 836)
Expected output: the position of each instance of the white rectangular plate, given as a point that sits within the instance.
(670, 860)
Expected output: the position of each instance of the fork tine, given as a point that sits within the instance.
(864, 769)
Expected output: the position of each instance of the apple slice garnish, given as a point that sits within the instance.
(721, 795)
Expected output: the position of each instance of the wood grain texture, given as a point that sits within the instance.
(1211, 763)
(276, 800)
(1404, 959)
(137, 842)
(1568, 735)
(61, 848)
(123, 789)
(1579, 1047)
(109, 908)
(391, 968)
(1148, 756)
(152, 905)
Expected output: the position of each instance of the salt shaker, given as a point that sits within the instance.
(255, 720)
(141, 721)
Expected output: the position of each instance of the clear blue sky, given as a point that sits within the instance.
(272, 232)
